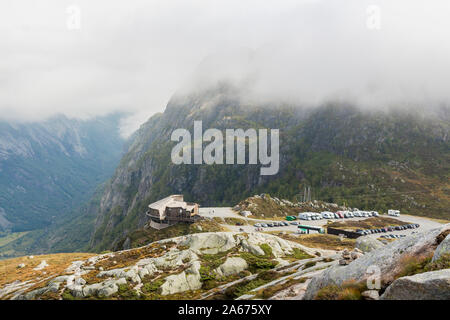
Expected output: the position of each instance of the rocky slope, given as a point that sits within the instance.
(416, 267)
(242, 266)
(368, 160)
(266, 206)
(219, 265)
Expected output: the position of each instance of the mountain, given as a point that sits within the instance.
(51, 174)
(49, 168)
(367, 159)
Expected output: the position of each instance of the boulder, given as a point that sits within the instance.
(60, 279)
(255, 249)
(370, 295)
(434, 285)
(20, 266)
(355, 255)
(32, 294)
(388, 261)
(443, 248)
(184, 281)
(80, 281)
(280, 247)
(180, 283)
(232, 266)
(107, 291)
(209, 242)
(367, 244)
(109, 287)
(344, 262)
(92, 289)
(76, 291)
(42, 265)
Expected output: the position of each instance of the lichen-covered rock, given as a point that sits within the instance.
(388, 261)
(232, 266)
(367, 244)
(443, 248)
(186, 254)
(184, 281)
(92, 289)
(76, 291)
(210, 242)
(255, 249)
(434, 285)
(109, 287)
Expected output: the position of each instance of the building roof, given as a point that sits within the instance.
(172, 201)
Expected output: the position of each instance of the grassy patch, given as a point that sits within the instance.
(350, 290)
(235, 221)
(322, 241)
(414, 265)
(152, 286)
(258, 263)
(66, 295)
(369, 223)
(10, 237)
(267, 249)
(272, 290)
(299, 254)
(57, 264)
(247, 286)
(127, 258)
(126, 292)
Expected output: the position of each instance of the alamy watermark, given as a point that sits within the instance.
(373, 21)
(213, 153)
(374, 280)
(73, 21)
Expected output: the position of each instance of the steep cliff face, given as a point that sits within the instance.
(368, 160)
(48, 168)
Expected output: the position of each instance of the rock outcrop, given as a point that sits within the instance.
(443, 248)
(386, 262)
(232, 266)
(367, 244)
(166, 267)
(434, 285)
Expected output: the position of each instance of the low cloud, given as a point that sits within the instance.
(132, 56)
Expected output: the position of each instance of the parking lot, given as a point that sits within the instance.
(227, 212)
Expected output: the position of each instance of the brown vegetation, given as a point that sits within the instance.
(58, 262)
(369, 223)
(322, 241)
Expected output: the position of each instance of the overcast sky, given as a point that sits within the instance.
(133, 55)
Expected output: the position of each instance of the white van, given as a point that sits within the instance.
(394, 213)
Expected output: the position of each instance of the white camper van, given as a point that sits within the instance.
(394, 213)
